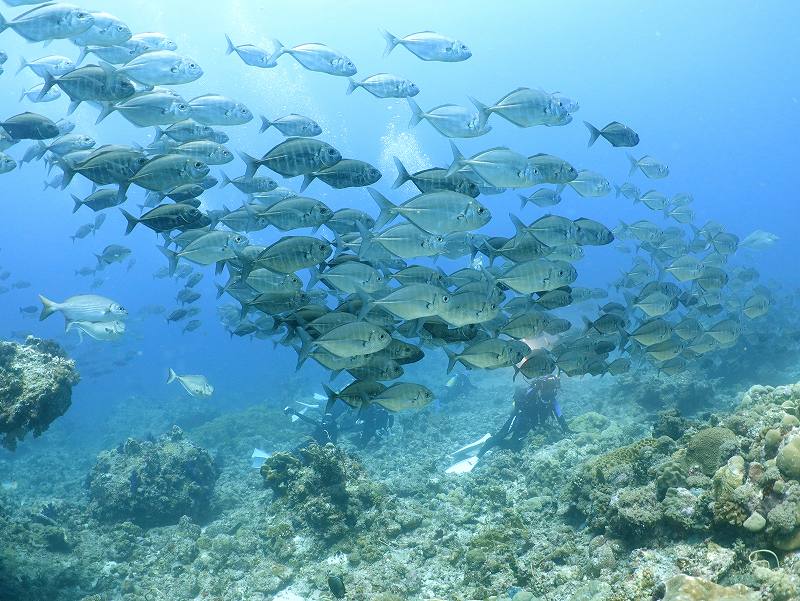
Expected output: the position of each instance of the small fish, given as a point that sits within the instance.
(651, 168)
(50, 21)
(336, 586)
(104, 331)
(384, 85)
(451, 120)
(292, 125)
(617, 134)
(318, 57)
(84, 307)
(195, 385)
(251, 55)
(192, 326)
(543, 197)
(215, 109)
(429, 46)
(163, 67)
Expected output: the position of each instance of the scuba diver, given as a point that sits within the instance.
(325, 430)
(375, 423)
(534, 406)
(458, 385)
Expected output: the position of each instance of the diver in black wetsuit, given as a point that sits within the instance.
(534, 405)
(325, 430)
(375, 423)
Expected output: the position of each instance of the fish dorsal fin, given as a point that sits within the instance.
(34, 9)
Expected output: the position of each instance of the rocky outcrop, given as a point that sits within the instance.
(36, 380)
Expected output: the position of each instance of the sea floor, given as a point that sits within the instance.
(518, 524)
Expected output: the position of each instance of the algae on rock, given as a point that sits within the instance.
(36, 380)
(152, 483)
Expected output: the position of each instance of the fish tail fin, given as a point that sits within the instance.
(48, 307)
(617, 191)
(634, 164)
(231, 48)
(594, 133)
(331, 395)
(23, 62)
(81, 55)
(388, 210)
(523, 201)
(483, 111)
(391, 41)
(519, 227)
(279, 51)
(313, 277)
(172, 257)
(78, 203)
(366, 302)
(158, 133)
(251, 163)
(68, 173)
(122, 192)
(171, 376)
(304, 351)
(588, 324)
(458, 159)
(225, 180)
(265, 124)
(629, 298)
(49, 82)
(452, 359)
(352, 85)
(41, 148)
(307, 179)
(132, 221)
(107, 108)
(402, 174)
(366, 239)
(73, 106)
(417, 113)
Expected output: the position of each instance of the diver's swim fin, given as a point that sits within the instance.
(463, 467)
(471, 449)
(258, 458)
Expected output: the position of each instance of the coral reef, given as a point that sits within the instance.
(623, 509)
(324, 490)
(36, 380)
(686, 588)
(152, 482)
(740, 478)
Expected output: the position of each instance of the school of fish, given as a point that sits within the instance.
(364, 295)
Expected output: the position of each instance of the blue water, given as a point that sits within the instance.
(710, 87)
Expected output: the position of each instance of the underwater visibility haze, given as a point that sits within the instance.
(388, 301)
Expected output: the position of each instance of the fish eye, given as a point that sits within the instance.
(445, 298)
(181, 107)
(192, 66)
